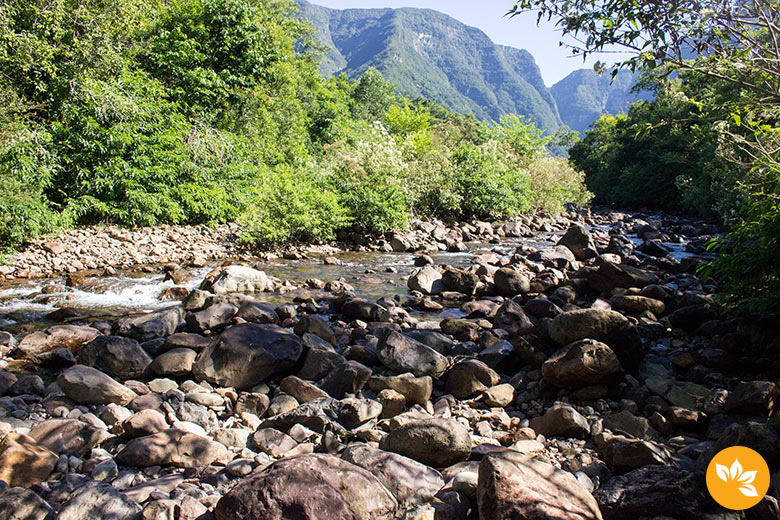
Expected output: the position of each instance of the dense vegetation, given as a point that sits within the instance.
(188, 111)
(710, 142)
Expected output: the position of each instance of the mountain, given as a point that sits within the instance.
(583, 95)
(428, 54)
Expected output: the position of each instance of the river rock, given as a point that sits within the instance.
(308, 487)
(635, 304)
(754, 398)
(561, 420)
(469, 378)
(414, 389)
(580, 242)
(610, 275)
(66, 436)
(238, 278)
(302, 391)
(426, 280)
(582, 363)
(403, 354)
(118, 356)
(610, 327)
(360, 309)
(18, 503)
(71, 337)
(211, 318)
(559, 257)
(651, 491)
(153, 325)
(623, 454)
(346, 378)
(510, 282)
(256, 312)
(172, 447)
(143, 423)
(273, 442)
(499, 395)
(99, 501)
(409, 481)
(460, 281)
(87, 385)
(25, 462)
(434, 442)
(247, 354)
(177, 362)
(512, 485)
(511, 317)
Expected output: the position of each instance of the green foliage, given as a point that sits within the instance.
(554, 182)
(521, 135)
(293, 206)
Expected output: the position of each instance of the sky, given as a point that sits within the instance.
(521, 31)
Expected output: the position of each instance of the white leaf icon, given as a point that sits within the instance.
(747, 477)
(736, 469)
(748, 490)
(723, 472)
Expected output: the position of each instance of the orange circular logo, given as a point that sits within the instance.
(737, 478)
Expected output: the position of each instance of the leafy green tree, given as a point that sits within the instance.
(372, 96)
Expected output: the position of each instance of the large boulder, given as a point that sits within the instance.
(461, 281)
(469, 378)
(212, 317)
(582, 363)
(426, 280)
(153, 325)
(510, 282)
(610, 275)
(99, 500)
(438, 443)
(403, 354)
(18, 503)
(512, 485)
(118, 356)
(562, 420)
(245, 355)
(414, 389)
(87, 385)
(71, 337)
(308, 487)
(409, 481)
(511, 317)
(238, 278)
(649, 492)
(24, 462)
(610, 327)
(172, 447)
(66, 436)
(580, 242)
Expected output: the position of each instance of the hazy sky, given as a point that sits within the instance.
(521, 31)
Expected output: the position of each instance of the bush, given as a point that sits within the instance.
(370, 180)
(489, 181)
(553, 183)
(292, 206)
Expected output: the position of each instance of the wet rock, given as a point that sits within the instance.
(177, 362)
(237, 278)
(561, 420)
(426, 280)
(247, 354)
(580, 242)
(469, 378)
(308, 487)
(434, 442)
(610, 327)
(117, 356)
(651, 491)
(409, 481)
(18, 503)
(71, 337)
(24, 462)
(510, 282)
(403, 354)
(582, 363)
(99, 501)
(172, 447)
(87, 385)
(415, 389)
(212, 317)
(66, 436)
(153, 325)
(512, 485)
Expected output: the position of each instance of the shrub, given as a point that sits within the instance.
(489, 181)
(292, 206)
(553, 183)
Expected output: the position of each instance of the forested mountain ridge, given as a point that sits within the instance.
(428, 54)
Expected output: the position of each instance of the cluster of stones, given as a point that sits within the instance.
(590, 380)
